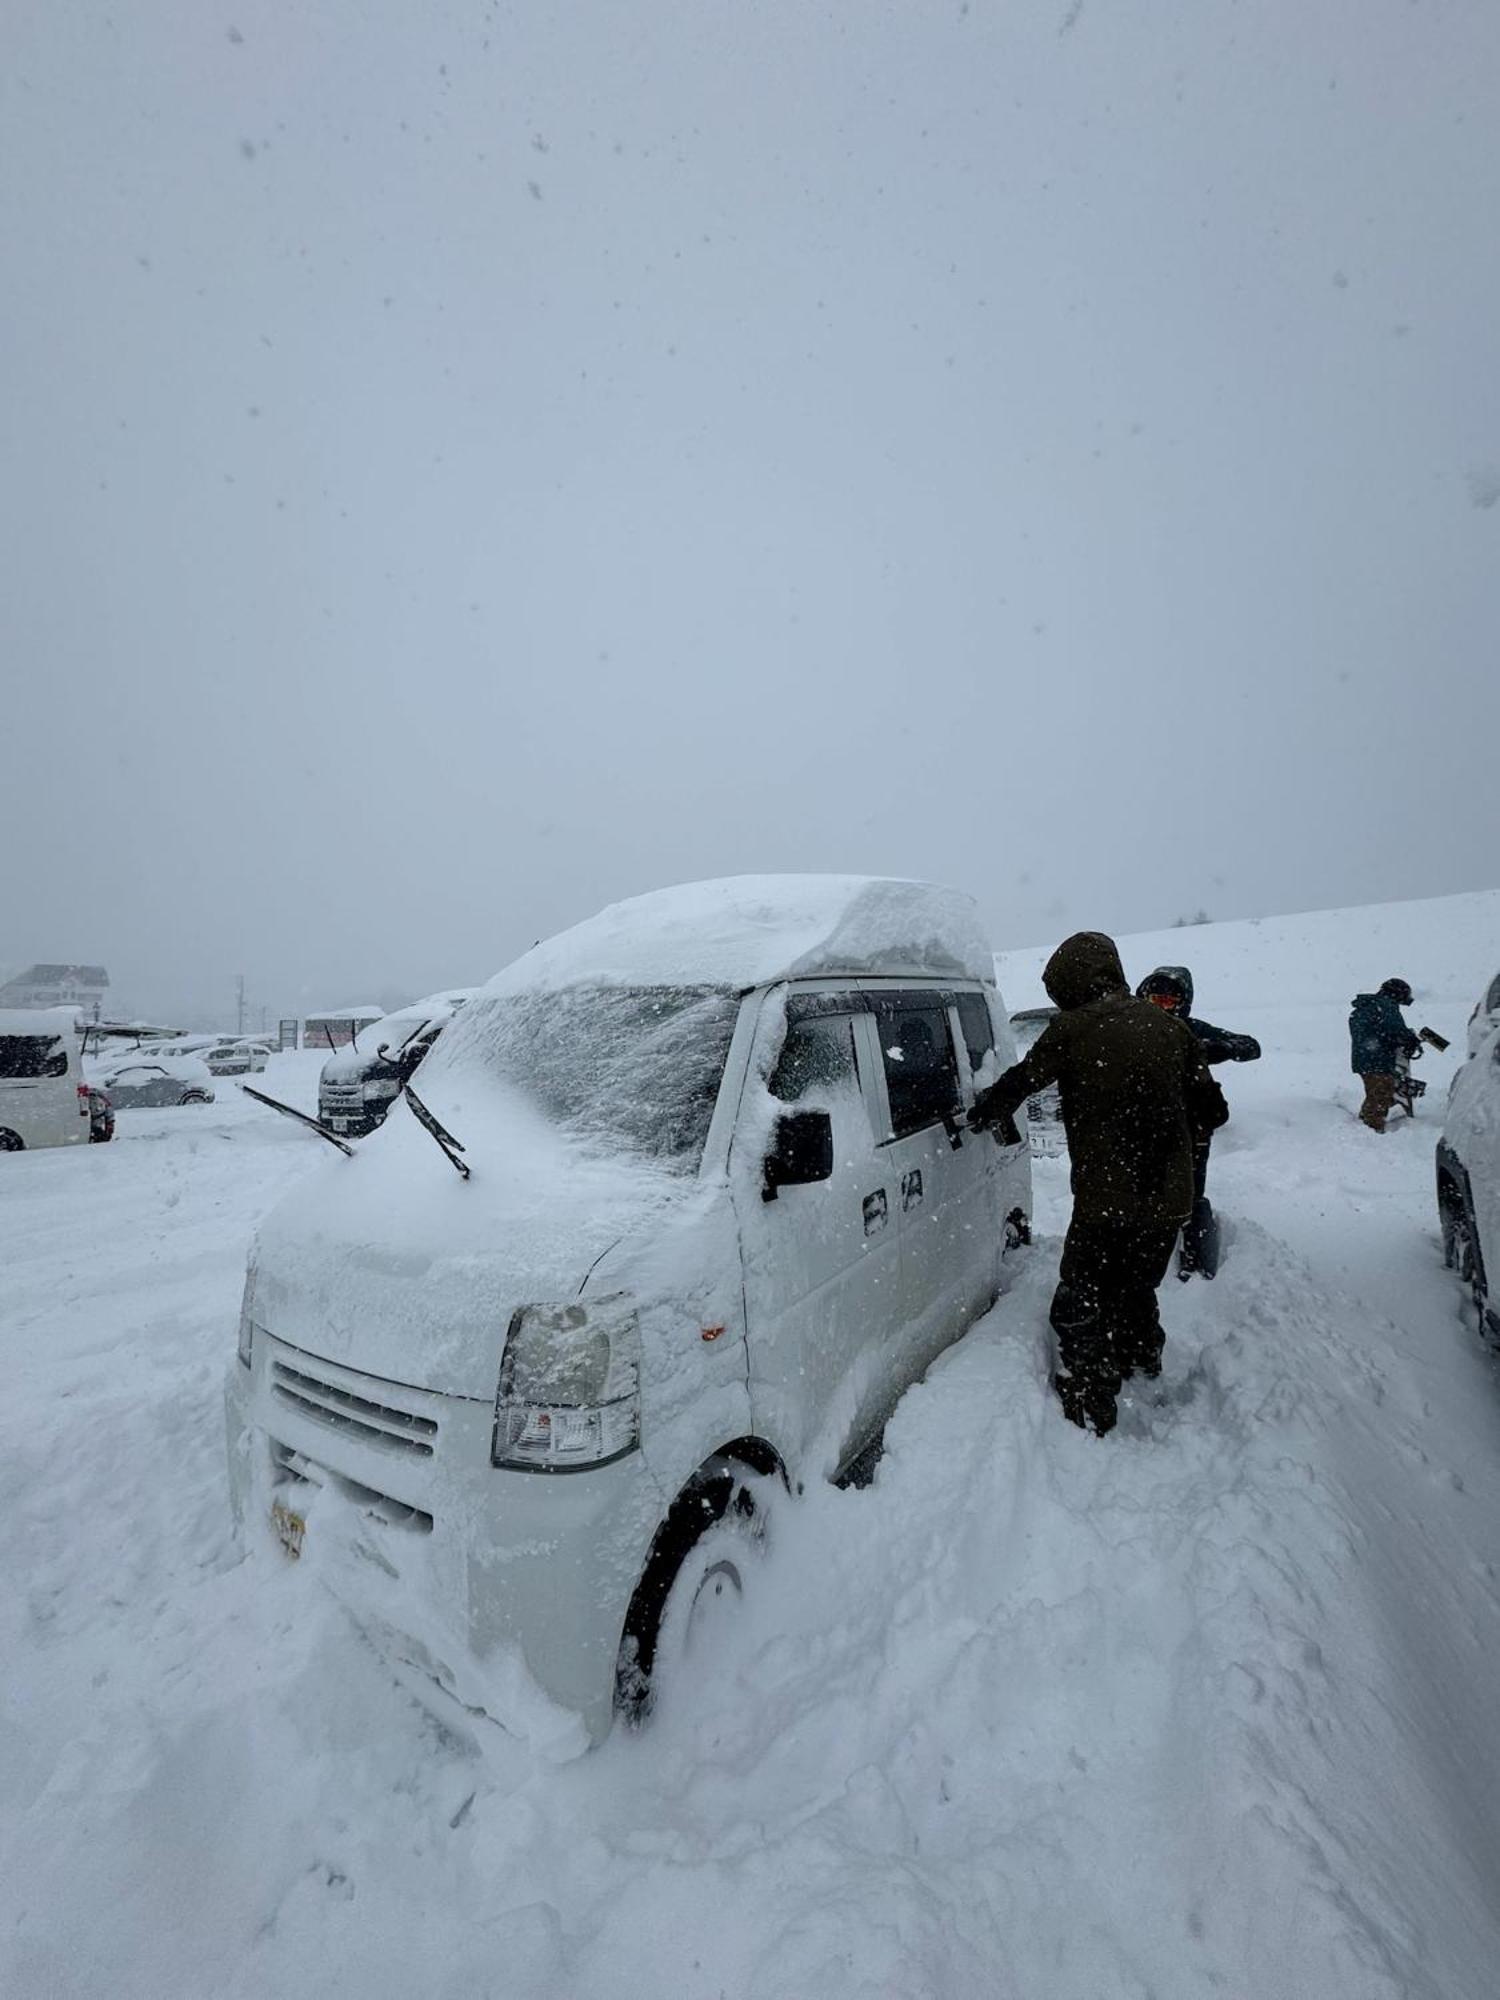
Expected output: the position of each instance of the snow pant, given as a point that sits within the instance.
(1380, 1097)
(1104, 1313)
(1198, 1222)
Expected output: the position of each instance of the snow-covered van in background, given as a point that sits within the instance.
(44, 1096)
(359, 1084)
(715, 1209)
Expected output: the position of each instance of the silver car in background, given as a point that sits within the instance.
(137, 1083)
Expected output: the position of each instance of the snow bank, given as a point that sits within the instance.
(1448, 947)
(747, 930)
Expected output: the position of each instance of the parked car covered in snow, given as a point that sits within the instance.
(226, 1057)
(720, 1211)
(44, 1095)
(359, 1083)
(136, 1083)
(1044, 1126)
(1468, 1167)
(1485, 1018)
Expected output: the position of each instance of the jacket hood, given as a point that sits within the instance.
(1084, 967)
(1168, 979)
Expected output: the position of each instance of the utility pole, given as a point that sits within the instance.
(240, 1004)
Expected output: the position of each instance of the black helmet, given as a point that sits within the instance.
(1170, 986)
(1399, 991)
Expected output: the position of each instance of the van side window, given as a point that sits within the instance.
(818, 1054)
(1492, 998)
(979, 1033)
(32, 1056)
(921, 1069)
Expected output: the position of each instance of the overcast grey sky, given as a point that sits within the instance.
(466, 463)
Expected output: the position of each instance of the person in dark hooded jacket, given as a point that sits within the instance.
(1171, 987)
(1378, 1037)
(1136, 1097)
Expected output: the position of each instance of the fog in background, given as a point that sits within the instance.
(467, 463)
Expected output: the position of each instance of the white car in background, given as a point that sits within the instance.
(723, 1212)
(44, 1094)
(226, 1057)
(1468, 1166)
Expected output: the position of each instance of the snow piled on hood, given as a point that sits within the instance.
(391, 1262)
(749, 930)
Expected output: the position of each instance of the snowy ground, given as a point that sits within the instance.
(1209, 1708)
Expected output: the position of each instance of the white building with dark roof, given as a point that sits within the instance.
(80, 986)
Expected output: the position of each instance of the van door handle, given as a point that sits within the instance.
(911, 1189)
(876, 1211)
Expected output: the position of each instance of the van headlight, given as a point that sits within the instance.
(570, 1387)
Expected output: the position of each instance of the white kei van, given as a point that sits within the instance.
(721, 1211)
(44, 1098)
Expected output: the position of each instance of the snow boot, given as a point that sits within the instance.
(1090, 1406)
(1200, 1242)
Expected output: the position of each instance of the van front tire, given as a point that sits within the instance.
(696, 1576)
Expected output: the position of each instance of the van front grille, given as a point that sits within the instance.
(294, 1469)
(380, 1424)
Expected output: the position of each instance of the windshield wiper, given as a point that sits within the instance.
(301, 1118)
(387, 1054)
(442, 1137)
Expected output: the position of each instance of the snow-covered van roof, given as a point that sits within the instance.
(750, 930)
(346, 1014)
(38, 1020)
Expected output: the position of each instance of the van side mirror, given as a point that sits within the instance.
(801, 1152)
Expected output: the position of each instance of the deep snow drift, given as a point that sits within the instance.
(1207, 1707)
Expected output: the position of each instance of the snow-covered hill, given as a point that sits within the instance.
(1209, 1707)
(1448, 947)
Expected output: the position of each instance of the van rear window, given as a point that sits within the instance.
(979, 1032)
(32, 1056)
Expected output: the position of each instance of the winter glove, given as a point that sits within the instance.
(1001, 1123)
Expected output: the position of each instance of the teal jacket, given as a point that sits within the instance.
(1377, 1035)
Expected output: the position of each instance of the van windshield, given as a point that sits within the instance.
(637, 1066)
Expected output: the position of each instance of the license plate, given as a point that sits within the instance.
(289, 1528)
(339, 1124)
